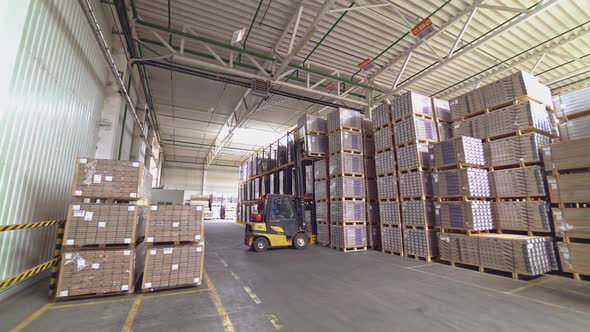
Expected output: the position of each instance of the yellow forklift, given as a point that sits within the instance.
(278, 223)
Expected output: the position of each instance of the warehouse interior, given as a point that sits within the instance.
(295, 165)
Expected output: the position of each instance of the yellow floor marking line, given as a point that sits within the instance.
(229, 327)
(33, 316)
(128, 326)
(274, 321)
(81, 304)
(532, 284)
(252, 295)
(192, 291)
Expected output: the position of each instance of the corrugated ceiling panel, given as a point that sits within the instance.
(55, 99)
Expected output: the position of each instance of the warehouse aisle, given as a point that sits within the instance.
(320, 289)
(317, 289)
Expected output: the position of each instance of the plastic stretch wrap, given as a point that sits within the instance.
(172, 267)
(572, 222)
(168, 223)
(442, 109)
(567, 155)
(323, 233)
(320, 169)
(413, 156)
(95, 272)
(346, 163)
(344, 118)
(420, 242)
(412, 129)
(474, 215)
(321, 190)
(573, 104)
(387, 187)
(415, 184)
(523, 116)
(574, 257)
(316, 144)
(574, 129)
(569, 188)
(345, 141)
(374, 236)
(313, 123)
(101, 224)
(389, 212)
(372, 213)
(347, 211)
(445, 131)
(391, 239)
(522, 215)
(411, 103)
(322, 212)
(348, 236)
(518, 182)
(383, 139)
(498, 93)
(469, 182)
(385, 162)
(368, 146)
(418, 213)
(381, 115)
(513, 150)
(372, 192)
(347, 187)
(370, 168)
(456, 151)
(112, 179)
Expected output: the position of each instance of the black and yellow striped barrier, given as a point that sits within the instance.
(47, 223)
(28, 273)
(53, 264)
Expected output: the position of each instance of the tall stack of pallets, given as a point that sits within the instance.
(102, 227)
(348, 230)
(414, 128)
(387, 188)
(171, 255)
(322, 204)
(372, 205)
(511, 117)
(568, 167)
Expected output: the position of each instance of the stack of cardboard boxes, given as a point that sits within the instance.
(101, 227)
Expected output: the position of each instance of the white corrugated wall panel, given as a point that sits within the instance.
(182, 177)
(50, 117)
(222, 180)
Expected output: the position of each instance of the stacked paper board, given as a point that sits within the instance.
(472, 215)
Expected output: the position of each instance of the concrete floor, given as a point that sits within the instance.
(318, 289)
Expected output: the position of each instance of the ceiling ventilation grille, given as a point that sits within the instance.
(260, 88)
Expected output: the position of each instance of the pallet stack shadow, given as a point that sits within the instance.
(511, 117)
(568, 166)
(372, 204)
(348, 230)
(102, 227)
(173, 249)
(322, 203)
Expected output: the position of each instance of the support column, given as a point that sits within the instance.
(109, 131)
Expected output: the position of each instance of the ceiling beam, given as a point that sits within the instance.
(542, 5)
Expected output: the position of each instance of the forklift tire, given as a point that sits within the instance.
(260, 244)
(300, 241)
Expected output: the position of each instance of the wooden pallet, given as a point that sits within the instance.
(317, 154)
(421, 258)
(521, 164)
(354, 175)
(349, 249)
(172, 243)
(158, 289)
(420, 227)
(87, 200)
(416, 198)
(100, 246)
(460, 166)
(483, 269)
(458, 198)
(414, 115)
(392, 252)
(414, 169)
(388, 199)
(336, 199)
(344, 128)
(414, 142)
(357, 152)
(95, 295)
(457, 230)
(524, 232)
(518, 133)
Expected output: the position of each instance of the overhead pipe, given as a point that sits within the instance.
(108, 57)
(233, 81)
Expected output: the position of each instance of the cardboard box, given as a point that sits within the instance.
(96, 272)
(170, 267)
(95, 224)
(174, 223)
(111, 179)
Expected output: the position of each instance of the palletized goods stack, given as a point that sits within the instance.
(320, 168)
(568, 165)
(314, 131)
(172, 253)
(414, 127)
(461, 186)
(514, 121)
(346, 170)
(371, 204)
(387, 188)
(102, 227)
(517, 254)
